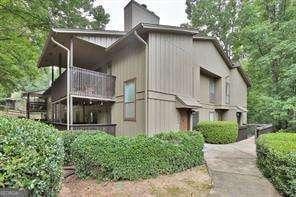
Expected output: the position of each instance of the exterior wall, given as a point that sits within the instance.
(204, 84)
(135, 13)
(208, 58)
(238, 92)
(171, 73)
(102, 40)
(129, 63)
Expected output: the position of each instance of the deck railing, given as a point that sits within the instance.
(108, 128)
(84, 83)
(87, 83)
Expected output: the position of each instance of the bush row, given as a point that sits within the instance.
(276, 158)
(31, 156)
(118, 158)
(68, 138)
(218, 132)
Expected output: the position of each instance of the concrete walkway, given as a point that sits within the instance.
(234, 172)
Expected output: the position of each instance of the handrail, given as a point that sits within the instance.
(85, 83)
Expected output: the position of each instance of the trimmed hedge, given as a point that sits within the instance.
(68, 138)
(122, 158)
(31, 156)
(276, 158)
(218, 132)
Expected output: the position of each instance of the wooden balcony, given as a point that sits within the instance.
(84, 84)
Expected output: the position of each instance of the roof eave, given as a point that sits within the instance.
(92, 32)
(173, 29)
(44, 48)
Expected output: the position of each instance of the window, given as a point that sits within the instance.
(195, 118)
(212, 90)
(129, 109)
(211, 116)
(227, 93)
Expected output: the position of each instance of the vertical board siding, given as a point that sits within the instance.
(127, 64)
(104, 41)
(238, 88)
(171, 72)
(171, 64)
(207, 56)
(163, 116)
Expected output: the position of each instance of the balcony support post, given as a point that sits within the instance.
(69, 63)
(28, 105)
(52, 75)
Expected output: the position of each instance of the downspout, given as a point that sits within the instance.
(146, 78)
(68, 79)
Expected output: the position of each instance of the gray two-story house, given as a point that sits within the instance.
(146, 79)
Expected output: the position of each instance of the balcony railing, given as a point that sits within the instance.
(84, 83)
(89, 83)
(108, 128)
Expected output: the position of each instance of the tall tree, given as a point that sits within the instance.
(23, 27)
(217, 18)
(269, 44)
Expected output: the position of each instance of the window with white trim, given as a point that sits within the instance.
(129, 109)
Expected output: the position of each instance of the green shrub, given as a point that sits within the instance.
(31, 156)
(118, 158)
(218, 132)
(276, 158)
(68, 138)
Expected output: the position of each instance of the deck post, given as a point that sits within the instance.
(60, 63)
(69, 100)
(71, 110)
(28, 105)
(52, 75)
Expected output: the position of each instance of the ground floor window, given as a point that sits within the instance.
(211, 116)
(195, 118)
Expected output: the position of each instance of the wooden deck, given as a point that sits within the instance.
(84, 84)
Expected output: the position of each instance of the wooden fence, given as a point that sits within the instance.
(263, 129)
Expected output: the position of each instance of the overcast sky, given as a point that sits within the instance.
(171, 12)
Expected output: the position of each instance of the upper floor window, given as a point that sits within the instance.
(227, 99)
(129, 108)
(212, 90)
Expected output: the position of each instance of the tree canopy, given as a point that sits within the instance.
(24, 25)
(261, 34)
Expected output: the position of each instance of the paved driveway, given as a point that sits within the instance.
(234, 171)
